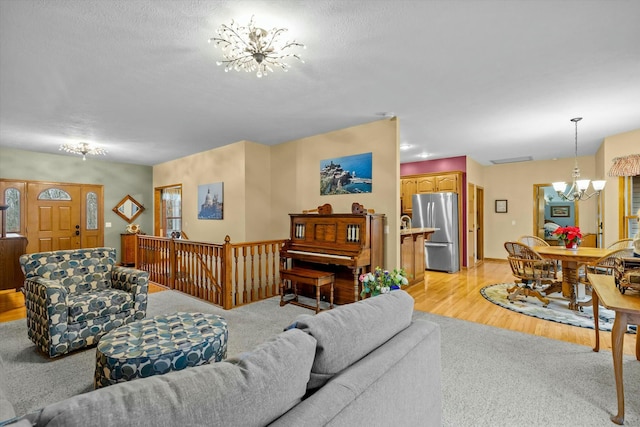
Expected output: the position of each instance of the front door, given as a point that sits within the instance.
(54, 217)
(63, 216)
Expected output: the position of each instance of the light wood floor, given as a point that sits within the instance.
(452, 295)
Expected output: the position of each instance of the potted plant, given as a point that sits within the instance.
(382, 281)
(569, 236)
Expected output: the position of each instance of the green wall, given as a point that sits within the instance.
(118, 179)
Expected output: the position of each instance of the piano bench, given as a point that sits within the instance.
(308, 277)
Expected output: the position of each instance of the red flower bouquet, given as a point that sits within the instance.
(569, 236)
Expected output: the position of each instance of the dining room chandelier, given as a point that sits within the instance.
(250, 48)
(82, 148)
(578, 190)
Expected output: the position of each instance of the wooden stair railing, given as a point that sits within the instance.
(228, 275)
(181, 273)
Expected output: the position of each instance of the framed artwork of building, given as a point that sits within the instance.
(210, 201)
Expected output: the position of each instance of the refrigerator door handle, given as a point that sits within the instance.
(432, 220)
(436, 244)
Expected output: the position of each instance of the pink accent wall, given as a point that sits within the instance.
(438, 165)
(451, 164)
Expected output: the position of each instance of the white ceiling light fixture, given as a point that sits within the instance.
(82, 148)
(578, 190)
(252, 48)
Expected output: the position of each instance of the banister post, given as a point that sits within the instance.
(172, 264)
(227, 281)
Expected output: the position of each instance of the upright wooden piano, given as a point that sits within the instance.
(342, 243)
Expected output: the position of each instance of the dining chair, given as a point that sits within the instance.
(611, 264)
(621, 244)
(531, 271)
(537, 241)
(532, 240)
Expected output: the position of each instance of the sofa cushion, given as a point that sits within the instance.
(348, 333)
(397, 384)
(252, 390)
(90, 305)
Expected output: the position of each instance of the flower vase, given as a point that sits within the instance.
(571, 245)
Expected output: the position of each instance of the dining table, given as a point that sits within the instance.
(570, 259)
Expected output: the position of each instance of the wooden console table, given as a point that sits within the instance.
(11, 247)
(627, 309)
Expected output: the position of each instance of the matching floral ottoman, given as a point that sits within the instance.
(158, 345)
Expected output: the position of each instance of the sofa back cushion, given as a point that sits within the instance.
(347, 333)
(79, 270)
(251, 390)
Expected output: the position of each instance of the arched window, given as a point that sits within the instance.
(54, 194)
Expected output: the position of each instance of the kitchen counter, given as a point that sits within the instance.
(406, 231)
(412, 252)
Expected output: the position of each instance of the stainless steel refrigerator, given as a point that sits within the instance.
(438, 210)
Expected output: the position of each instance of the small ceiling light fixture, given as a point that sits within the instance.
(83, 148)
(578, 190)
(252, 48)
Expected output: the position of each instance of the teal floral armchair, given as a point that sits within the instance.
(73, 297)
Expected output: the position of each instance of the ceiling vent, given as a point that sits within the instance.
(512, 160)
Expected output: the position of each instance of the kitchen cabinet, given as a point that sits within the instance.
(407, 190)
(428, 183)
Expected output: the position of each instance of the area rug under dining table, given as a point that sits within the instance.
(557, 310)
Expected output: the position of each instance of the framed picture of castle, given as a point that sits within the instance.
(346, 175)
(210, 201)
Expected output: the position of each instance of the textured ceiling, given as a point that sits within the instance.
(487, 79)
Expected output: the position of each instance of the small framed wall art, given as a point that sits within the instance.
(210, 201)
(560, 211)
(501, 206)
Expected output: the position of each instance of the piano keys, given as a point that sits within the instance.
(344, 244)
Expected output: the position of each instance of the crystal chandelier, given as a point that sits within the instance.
(83, 148)
(252, 48)
(578, 190)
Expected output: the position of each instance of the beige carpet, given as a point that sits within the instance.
(491, 376)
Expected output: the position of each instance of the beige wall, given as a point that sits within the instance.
(614, 146)
(514, 182)
(263, 184)
(225, 164)
(475, 172)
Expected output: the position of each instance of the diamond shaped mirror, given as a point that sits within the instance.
(128, 208)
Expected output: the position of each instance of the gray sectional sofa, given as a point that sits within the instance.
(362, 364)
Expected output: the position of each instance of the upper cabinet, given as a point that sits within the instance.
(428, 183)
(407, 189)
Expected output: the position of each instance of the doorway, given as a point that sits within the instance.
(53, 215)
(168, 211)
(475, 227)
(550, 211)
